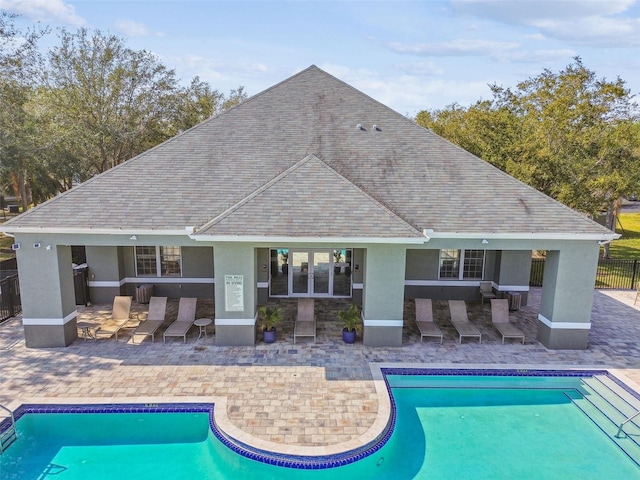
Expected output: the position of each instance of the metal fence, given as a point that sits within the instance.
(612, 273)
(10, 304)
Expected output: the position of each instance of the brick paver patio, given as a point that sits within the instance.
(307, 395)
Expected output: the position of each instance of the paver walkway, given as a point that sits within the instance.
(302, 394)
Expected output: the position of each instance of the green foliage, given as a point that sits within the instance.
(270, 317)
(568, 134)
(351, 318)
(627, 246)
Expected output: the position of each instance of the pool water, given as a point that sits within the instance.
(445, 428)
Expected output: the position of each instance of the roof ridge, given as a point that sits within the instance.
(257, 192)
(371, 197)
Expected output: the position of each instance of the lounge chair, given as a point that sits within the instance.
(500, 320)
(155, 318)
(306, 320)
(119, 318)
(460, 320)
(486, 291)
(424, 319)
(184, 320)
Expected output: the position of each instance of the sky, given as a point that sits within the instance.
(409, 55)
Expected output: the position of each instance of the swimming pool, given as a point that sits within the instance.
(445, 424)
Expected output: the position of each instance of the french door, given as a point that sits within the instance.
(310, 273)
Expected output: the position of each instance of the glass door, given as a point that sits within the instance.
(299, 275)
(321, 274)
(310, 273)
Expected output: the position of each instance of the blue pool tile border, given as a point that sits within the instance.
(305, 462)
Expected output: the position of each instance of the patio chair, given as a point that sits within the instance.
(460, 320)
(424, 319)
(500, 320)
(306, 320)
(486, 291)
(119, 318)
(184, 320)
(155, 318)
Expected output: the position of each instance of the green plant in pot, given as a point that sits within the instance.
(352, 323)
(337, 258)
(269, 317)
(285, 260)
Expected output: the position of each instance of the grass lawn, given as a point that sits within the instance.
(627, 246)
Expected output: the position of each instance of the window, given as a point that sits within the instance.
(462, 264)
(449, 263)
(148, 259)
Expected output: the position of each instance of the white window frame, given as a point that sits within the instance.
(461, 258)
(158, 261)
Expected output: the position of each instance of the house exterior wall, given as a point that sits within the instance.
(106, 270)
(235, 293)
(383, 295)
(262, 275)
(46, 288)
(564, 320)
(112, 272)
(423, 266)
(513, 268)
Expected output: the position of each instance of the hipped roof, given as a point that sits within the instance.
(309, 157)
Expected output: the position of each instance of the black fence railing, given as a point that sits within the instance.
(10, 304)
(612, 273)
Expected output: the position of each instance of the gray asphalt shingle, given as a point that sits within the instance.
(391, 181)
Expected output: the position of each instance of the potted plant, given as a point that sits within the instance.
(351, 320)
(285, 259)
(337, 258)
(270, 317)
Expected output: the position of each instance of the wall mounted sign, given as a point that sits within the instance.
(234, 293)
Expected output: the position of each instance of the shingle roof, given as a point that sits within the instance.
(309, 200)
(390, 181)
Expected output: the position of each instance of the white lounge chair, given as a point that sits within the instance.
(500, 320)
(184, 320)
(424, 319)
(460, 320)
(155, 318)
(119, 318)
(306, 320)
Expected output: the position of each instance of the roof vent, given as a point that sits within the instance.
(359, 126)
(375, 128)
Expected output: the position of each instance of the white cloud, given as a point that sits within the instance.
(220, 74)
(409, 94)
(459, 48)
(525, 12)
(45, 10)
(131, 28)
(586, 22)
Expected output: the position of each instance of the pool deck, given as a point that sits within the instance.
(304, 398)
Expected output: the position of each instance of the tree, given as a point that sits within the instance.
(568, 134)
(109, 102)
(199, 101)
(19, 60)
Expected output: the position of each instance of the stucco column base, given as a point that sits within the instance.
(382, 336)
(235, 335)
(44, 336)
(563, 339)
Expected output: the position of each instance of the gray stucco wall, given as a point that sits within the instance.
(422, 270)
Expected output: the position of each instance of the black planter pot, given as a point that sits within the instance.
(285, 268)
(349, 336)
(269, 336)
(336, 270)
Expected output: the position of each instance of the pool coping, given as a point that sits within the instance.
(306, 457)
